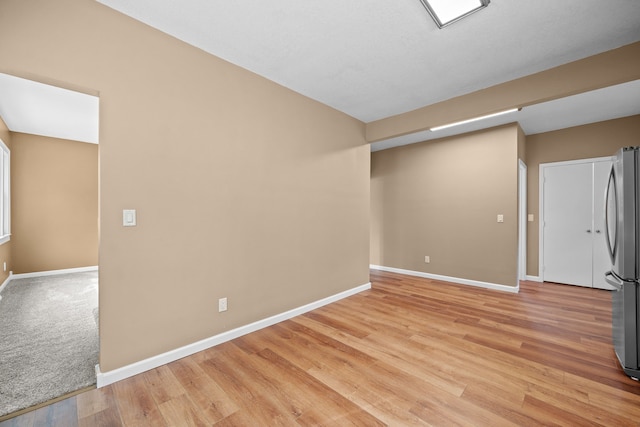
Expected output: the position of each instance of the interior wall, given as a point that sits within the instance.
(54, 203)
(441, 198)
(581, 142)
(243, 189)
(594, 72)
(5, 248)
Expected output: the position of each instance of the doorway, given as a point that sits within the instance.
(54, 228)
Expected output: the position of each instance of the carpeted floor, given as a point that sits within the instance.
(48, 338)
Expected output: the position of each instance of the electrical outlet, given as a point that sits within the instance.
(222, 305)
(427, 259)
(500, 218)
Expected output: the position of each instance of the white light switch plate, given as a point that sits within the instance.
(129, 217)
(500, 218)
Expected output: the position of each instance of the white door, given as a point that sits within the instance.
(601, 260)
(567, 224)
(573, 239)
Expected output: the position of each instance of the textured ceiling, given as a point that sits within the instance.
(371, 58)
(595, 106)
(377, 58)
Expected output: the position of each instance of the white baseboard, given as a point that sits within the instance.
(477, 283)
(110, 377)
(6, 281)
(534, 278)
(54, 272)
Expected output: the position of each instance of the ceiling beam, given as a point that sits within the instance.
(606, 69)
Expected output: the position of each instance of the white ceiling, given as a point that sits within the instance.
(617, 101)
(377, 58)
(39, 109)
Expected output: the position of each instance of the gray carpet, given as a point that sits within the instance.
(48, 338)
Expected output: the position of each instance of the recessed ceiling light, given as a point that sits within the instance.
(446, 12)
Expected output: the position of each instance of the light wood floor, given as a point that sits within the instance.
(409, 351)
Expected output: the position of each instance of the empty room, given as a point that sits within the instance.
(333, 213)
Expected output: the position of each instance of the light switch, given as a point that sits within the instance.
(530, 217)
(129, 217)
(500, 218)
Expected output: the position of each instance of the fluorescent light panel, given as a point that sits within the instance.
(446, 12)
(475, 119)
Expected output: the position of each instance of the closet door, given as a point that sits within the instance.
(601, 260)
(568, 224)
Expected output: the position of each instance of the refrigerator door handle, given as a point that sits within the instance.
(611, 248)
(613, 280)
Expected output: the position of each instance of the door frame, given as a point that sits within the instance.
(542, 169)
(522, 220)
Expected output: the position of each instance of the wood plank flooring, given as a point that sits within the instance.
(410, 351)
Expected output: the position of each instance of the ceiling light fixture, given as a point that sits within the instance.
(475, 119)
(446, 12)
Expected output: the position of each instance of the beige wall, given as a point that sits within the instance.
(6, 248)
(243, 189)
(54, 203)
(594, 72)
(441, 198)
(581, 142)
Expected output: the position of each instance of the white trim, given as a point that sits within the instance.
(577, 162)
(54, 272)
(110, 377)
(534, 278)
(6, 282)
(477, 283)
(5, 192)
(522, 220)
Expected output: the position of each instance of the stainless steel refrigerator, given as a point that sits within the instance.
(622, 216)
